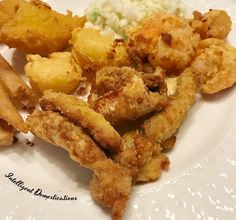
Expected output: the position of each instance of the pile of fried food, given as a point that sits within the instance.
(129, 122)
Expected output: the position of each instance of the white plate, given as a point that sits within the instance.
(201, 182)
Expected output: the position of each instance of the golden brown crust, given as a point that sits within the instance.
(129, 100)
(57, 130)
(6, 134)
(20, 93)
(213, 24)
(111, 186)
(9, 113)
(80, 113)
(142, 157)
(49, 33)
(164, 125)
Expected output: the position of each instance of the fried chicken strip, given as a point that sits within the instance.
(6, 134)
(111, 184)
(128, 100)
(80, 113)
(142, 156)
(9, 113)
(55, 129)
(18, 90)
(162, 126)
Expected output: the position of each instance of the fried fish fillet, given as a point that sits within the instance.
(80, 113)
(111, 186)
(142, 156)
(55, 129)
(19, 91)
(128, 100)
(9, 113)
(162, 126)
(36, 29)
(6, 134)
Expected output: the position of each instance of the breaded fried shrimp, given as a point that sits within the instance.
(215, 66)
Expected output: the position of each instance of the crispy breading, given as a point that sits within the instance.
(59, 72)
(57, 130)
(6, 134)
(111, 186)
(215, 66)
(164, 125)
(19, 91)
(37, 29)
(8, 9)
(129, 100)
(142, 156)
(9, 113)
(164, 40)
(213, 24)
(80, 113)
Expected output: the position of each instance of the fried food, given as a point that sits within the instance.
(164, 125)
(55, 129)
(20, 93)
(58, 72)
(80, 113)
(111, 186)
(164, 40)
(93, 51)
(6, 134)
(9, 113)
(142, 156)
(127, 102)
(215, 66)
(37, 29)
(8, 9)
(213, 24)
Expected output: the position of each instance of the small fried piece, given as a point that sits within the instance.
(142, 156)
(130, 99)
(164, 40)
(164, 125)
(6, 134)
(9, 113)
(58, 72)
(55, 129)
(20, 93)
(215, 66)
(37, 29)
(80, 113)
(111, 186)
(93, 51)
(213, 24)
